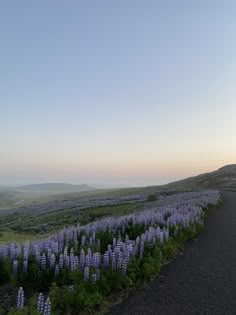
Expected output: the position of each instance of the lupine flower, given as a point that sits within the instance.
(94, 278)
(119, 262)
(61, 261)
(86, 273)
(106, 259)
(113, 262)
(15, 267)
(43, 261)
(67, 261)
(82, 259)
(124, 266)
(20, 298)
(26, 250)
(40, 304)
(52, 261)
(47, 307)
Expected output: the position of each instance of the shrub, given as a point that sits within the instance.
(152, 197)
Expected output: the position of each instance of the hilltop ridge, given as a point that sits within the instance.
(223, 178)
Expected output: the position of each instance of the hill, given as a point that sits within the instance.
(223, 178)
(53, 188)
(13, 197)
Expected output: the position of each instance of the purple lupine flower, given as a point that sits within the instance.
(119, 262)
(90, 255)
(106, 259)
(40, 304)
(18, 250)
(67, 261)
(114, 242)
(71, 252)
(47, 307)
(82, 259)
(86, 273)
(43, 261)
(15, 267)
(37, 256)
(26, 250)
(52, 261)
(65, 253)
(76, 262)
(4, 251)
(49, 253)
(95, 260)
(166, 234)
(76, 244)
(72, 264)
(117, 251)
(87, 260)
(20, 299)
(94, 278)
(99, 259)
(124, 266)
(56, 248)
(61, 261)
(113, 262)
(12, 251)
(141, 249)
(161, 237)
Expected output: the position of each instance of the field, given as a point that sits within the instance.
(103, 250)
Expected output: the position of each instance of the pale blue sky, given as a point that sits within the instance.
(122, 91)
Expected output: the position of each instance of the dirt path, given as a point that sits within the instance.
(202, 280)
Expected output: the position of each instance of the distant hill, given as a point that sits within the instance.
(53, 188)
(223, 178)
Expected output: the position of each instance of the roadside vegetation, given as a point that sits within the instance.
(79, 268)
(22, 226)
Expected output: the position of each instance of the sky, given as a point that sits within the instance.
(120, 92)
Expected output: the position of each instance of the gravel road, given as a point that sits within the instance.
(202, 280)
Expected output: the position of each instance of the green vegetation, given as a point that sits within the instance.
(22, 226)
(69, 291)
(152, 197)
(70, 294)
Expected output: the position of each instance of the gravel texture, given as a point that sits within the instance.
(200, 281)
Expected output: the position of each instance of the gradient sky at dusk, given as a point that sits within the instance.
(129, 92)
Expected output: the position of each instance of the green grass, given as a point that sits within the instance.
(8, 236)
(20, 227)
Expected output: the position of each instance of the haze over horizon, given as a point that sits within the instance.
(121, 92)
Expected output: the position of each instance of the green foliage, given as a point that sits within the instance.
(5, 270)
(69, 294)
(151, 197)
(29, 309)
(24, 226)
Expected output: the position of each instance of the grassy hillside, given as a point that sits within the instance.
(13, 197)
(223, 178)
